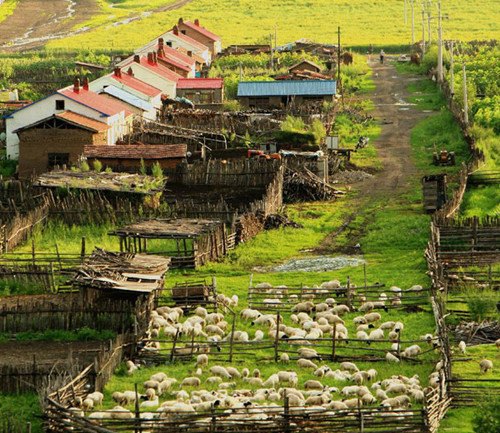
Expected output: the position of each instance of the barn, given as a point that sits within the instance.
(279, 94)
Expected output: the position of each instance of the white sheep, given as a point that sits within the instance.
(149, 404)
(313, 384)
(249, 314)
(463, 347)
(412, 351)
(191, 381)
(214, 379)
(485, 365)
(349, 366)
(119, 412)
(96, 397)
(233, 372)
(376, 334)
(201, 360)
(389, 357)
(217, 370)
(372, 317)
(306, 363)
(285, 358)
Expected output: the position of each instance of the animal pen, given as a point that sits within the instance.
(195, 241)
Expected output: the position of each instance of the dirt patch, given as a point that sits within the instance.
(346, 177)
(318, 264)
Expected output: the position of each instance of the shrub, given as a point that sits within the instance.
(482, 305)
(97, 165)
(487, 416)
(157, 171)
(142, 168)
(84, 166)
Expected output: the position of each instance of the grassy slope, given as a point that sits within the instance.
(363, 22)
(7, 8)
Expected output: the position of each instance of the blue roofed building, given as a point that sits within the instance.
(281, 94)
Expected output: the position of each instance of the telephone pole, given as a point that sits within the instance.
(423, 30)
(429, 18)
(452, 71)
(466, 100)
(412, 2)
(272, 51)
(339, 79)
(440, 45)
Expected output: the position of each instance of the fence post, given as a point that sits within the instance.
(33, 254)
(82, 253)
(349, 294)
(364, 274)
(137, 411)
(334, 340)
(276, 339)
(58, 257)
(34, 372)
(399, 345)
(173, 346)
(231, 340)
(28, 427)
(286, 413)
(361, 419)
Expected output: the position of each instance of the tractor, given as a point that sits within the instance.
(443, 158)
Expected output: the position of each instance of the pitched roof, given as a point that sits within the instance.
(137, 151)
(287, 88)
(319, 68)
(72, 118)
(200, 83)
(157, 68)
(187, 39)
(83, 121)
(177, 55)
(95, 101)
(128, 98)
(202, 30)
(136, 84)
(170, 60)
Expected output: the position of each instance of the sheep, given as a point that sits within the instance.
(381, 395)
(352, 403)
(214, 379)
(371, 374)
(485, 365)
(317, 400)
(389, 357)
(201, 312)
(214, 330)
(119, 412)
(412, 351)
(240, 336)
(227, 385)
(256, 372)
(360, 320)
(330, 285)
(463, 347)
(377, 334)
(387, 325)
(245, 372)
(306, 363)
(254, 381)
(158, 377)
(191, 381)
(151, 384)
(304, 307)
(350, 390)
(358, 378)
(402, 401)
(119, 397)
(313, 384)
(165, 385)
(295, 401)
(288, 377)
(249, 314)
(372, 317)
(128, 397)
(259, 335)
(307, 353)
(96, 397)
(337, 405)
(341, 309)
(396, 388)
(368, 398)
(265, 320)
(150, 393)
(366, 307)
(131, 367)
(87, 404)
(201, 360)
(217, 370)
(285, 358)
(417, 394)
(216, 318)
(349, 366)
(149, 404)
(398, 327)
(233, 372)
(272, 381)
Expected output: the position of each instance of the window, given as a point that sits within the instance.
(57, 160)
(183, 32)
(169, 44)
(60, 104)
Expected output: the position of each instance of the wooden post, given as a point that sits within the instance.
(173, 346)
(399, 345)
(231, 340)
(33, 255)
(334, 340)
(277, 338)
(28, 427)
(286, 413)
(82, 252)
(364, 273)
(349, 294)
(53, 279)
(361, 420)
(137, 411)
(58, 257)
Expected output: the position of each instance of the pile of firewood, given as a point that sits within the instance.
(306, 186)
(276, 221)
(477, 333)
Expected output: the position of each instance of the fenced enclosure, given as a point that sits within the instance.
(192, 294)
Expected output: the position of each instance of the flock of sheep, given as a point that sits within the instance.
(244, 394)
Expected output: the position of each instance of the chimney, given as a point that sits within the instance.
(176, 30)
(86, 84)
(197, 22)
(76, 85)
(160, 43)
(118, 72)
(181, 21)
(155, 58)
(150, 57)
(137, 58)
(130, 72)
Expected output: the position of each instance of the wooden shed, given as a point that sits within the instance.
(305, 65)
(434, 192)
(189, 242)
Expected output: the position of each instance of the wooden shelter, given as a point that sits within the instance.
(197, 241)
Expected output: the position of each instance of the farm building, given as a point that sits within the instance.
(189, 242)
(305, 65)
(195, 31)
(202, 91)
(56, 141)
(76, 99)
(265, 94)
(140, 93)
(127, 158)
(156, 75)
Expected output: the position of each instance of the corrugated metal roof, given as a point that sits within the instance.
(287, 88)
(200, 83)
(127, 97)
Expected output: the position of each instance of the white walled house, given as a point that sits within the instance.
(136, 89)
(77, 99)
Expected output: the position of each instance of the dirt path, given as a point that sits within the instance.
(35, 22)
(397, 118)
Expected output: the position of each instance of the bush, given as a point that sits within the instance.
(487, 416)
(157, 171)
(97, 165)
(482, 305)
(84, 166)
(142, 168)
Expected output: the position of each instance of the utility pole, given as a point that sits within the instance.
(440, 45)
(423, 30)
(412, 2)
(272, 51)
(339, 79)
(452, 71)
(429, 18)
(466, 101)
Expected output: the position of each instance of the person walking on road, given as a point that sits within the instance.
(382, 55)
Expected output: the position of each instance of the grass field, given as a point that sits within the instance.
(363, 22)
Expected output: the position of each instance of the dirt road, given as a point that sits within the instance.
(35, 22)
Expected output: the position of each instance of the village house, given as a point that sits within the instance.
(305, 65)
(280, 94)
(77, 99)
(127, 158)
(202, 91)
(200, 34)
(125, 87)
(148, 69)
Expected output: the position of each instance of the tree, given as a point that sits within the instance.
(487, 416)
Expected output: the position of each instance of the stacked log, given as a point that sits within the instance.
(306, 186)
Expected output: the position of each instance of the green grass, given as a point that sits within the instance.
(481, 201)
(426, 95)
(7, 8)
(363, 22)
(83, 334)
(21, 409)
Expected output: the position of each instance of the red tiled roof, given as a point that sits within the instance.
(136, 84)
(137, 151)
(178, 55)
(170, 60)
(95, 101)
(159, 69)
(202, 30)
(83, 121)
(190, 40)
(200, 83)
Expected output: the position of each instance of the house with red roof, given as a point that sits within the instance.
(149, 70)
(196, 31)
(145, 99)
(201, 91)
(77, 99)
